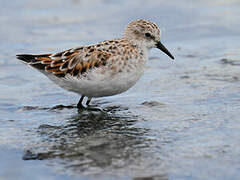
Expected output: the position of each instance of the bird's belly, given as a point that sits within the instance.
(110, 85)
(115, 85)
(99, 85)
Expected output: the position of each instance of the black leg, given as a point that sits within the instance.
(91, 108)
(79, 105)
(88, 101)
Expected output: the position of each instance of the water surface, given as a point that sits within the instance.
(180, 121)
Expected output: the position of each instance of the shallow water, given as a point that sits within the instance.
(180, 121)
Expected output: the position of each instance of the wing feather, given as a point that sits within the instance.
(75, 62)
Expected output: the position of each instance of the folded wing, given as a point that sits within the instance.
(75, 62)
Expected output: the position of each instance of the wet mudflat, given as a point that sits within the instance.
(180, 121)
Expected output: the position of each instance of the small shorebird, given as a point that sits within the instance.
(104, 69)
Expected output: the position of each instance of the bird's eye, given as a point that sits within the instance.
(147, 34)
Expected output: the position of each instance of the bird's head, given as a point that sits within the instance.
(145, 34)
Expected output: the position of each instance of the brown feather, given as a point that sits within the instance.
(75, 62)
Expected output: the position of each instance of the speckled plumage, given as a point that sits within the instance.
(103, 69)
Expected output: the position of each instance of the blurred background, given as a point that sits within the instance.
(180, 121)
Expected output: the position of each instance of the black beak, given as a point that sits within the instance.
(162, 48)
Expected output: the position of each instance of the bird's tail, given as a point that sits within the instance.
(29, 58)
(36, 61)
(26, 58)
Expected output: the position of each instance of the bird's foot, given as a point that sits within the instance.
(93, 108)
(88, 108)
(80, 106)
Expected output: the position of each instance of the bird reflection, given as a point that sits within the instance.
(91, 140)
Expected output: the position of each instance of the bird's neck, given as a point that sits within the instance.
(141, 46)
